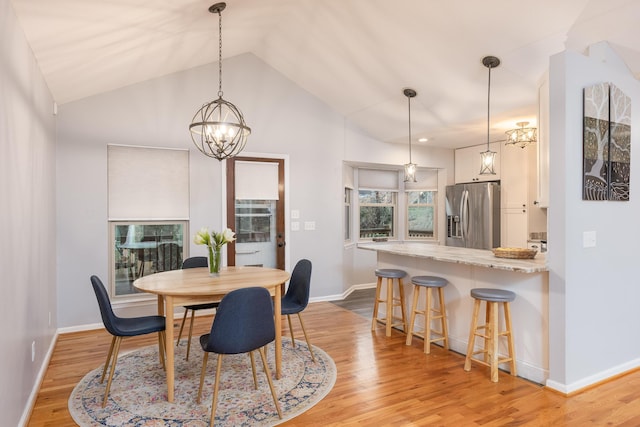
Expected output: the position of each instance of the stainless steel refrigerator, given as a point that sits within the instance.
(473, 215)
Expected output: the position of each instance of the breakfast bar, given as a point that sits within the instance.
(466, 269)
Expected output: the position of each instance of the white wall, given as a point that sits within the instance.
(284, 120)
(594, 317)
(27, 209)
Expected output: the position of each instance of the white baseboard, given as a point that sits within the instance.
(595, 378)
(26, 413)
(339, 297)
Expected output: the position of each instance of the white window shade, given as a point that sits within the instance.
(256, 180)
(427, 179)
(147, 183)
(378, 179)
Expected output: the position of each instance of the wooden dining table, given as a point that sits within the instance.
(197, 286)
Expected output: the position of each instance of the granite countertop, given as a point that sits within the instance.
(475, 257)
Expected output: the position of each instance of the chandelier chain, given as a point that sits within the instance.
(219, 53)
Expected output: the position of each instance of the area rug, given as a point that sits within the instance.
(138, 394)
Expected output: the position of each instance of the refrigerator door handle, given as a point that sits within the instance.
(464, 214)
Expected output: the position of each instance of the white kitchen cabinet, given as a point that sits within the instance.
(514, 195)
(467, 163)
(514, 182)
(513, 228)
(543, 143)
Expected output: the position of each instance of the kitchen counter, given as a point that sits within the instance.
(475, 257)
(466, 269)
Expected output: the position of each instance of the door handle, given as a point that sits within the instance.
(281, 244)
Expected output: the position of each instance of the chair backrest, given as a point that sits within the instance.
(168, 256)
(195, 262)
(108, 316)
(244, 322)
(300, 283)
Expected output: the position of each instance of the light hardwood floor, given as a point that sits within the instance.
(381, 382)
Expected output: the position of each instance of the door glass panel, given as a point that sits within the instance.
(255, 232)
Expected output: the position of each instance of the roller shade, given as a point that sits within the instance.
(427, 179)
(147, 183)
(378, 179)
(256, 180)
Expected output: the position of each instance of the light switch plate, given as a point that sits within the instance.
(309, 225)
(295, 214)
(589, 239)
(295, 226)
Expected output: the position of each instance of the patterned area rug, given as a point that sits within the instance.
(138, 394)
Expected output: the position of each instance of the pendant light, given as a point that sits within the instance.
(488, 157)
(522, 136)
(218, 129)
(410, 168)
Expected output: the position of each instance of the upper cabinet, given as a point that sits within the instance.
(515, 176)
(543, 143)
(467, 163)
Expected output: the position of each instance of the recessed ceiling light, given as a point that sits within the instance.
(423, 139)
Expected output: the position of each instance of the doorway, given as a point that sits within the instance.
(256, 211)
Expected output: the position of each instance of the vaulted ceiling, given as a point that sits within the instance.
(355, 55)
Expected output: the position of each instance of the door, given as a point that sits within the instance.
(255, 211)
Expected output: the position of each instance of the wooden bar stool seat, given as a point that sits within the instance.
(431, 312)
(491, 332)
(391, 300)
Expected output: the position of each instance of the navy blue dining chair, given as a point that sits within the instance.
(297, 297)
(193, 262)
(121, 327)
(244, 323)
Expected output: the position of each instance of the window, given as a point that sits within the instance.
(347, 214)
(387, 207)
(421, 214)
(377, 210)
(148, 212)
(143, 248)
(255, 221)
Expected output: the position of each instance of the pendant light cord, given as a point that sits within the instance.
(488, 105)
(409, 100)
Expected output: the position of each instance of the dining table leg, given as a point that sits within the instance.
(278, 324)
(169, 346)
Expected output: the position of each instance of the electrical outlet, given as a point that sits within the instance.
(295, 226)
(33, 351)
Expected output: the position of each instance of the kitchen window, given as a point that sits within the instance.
(385, 207)
(421, 214)
(377, 213)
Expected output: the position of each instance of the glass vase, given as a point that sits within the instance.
(214, 261)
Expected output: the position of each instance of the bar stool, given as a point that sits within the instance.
(429, 283)
(493, 299)
(391, 301)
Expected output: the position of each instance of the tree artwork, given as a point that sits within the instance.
(606, 143)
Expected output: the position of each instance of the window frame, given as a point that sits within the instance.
(348, 215)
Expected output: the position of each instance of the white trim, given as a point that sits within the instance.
(31, 401)
(339, 297)
(601, 376)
